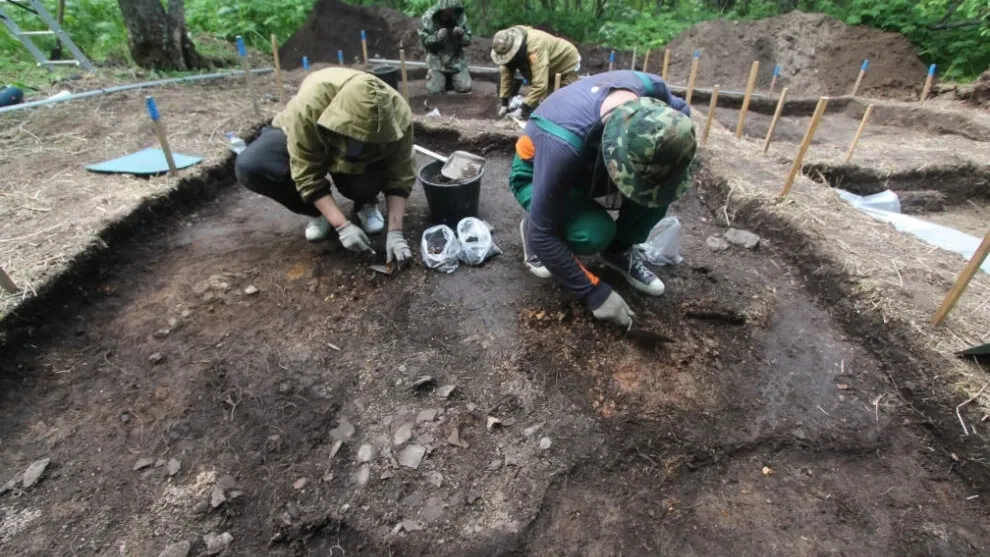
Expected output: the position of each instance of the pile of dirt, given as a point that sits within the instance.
(976, 93)
(818, 55)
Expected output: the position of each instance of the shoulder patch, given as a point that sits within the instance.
(533, 58)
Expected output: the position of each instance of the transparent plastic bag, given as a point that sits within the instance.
(475, 238)
(663, 247)
(440, 249)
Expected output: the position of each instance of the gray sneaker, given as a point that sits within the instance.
(531, 261)
(631, 263)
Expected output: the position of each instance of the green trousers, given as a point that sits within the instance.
(590, 229)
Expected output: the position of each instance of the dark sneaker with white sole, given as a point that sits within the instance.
(531, 261)
(632, 264)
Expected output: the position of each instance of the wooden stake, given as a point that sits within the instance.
(776, 117)
(694, 74)
(364, 48)
(711, 115)
(405, 78)
(242, 51)
(149, 102)
(611, 61)
(666, 64)
(6, 283)
(646, 61)
(805, 143)
(928, 83)
(773, 80)
(859, 132)
(859, 79)
(962, 281)
(278, 67)
(556, 82)
(632, 66)
(750, 85)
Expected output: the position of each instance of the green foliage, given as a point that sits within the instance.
(255, 20)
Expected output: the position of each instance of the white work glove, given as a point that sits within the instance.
(354, 239)
(503, 111)
(516, 114)
(396, 248)
(442, 34)
(615, 310)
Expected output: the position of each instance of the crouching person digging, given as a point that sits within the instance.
(615, 139)
(345, 129)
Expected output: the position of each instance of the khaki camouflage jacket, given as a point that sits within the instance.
(545, 57)
(447, 54)
(343, 121)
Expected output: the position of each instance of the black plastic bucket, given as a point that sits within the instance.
(449, 201)
(388, 74)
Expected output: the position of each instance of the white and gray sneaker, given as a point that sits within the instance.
(371, 218)
(531, 261)
(317, 229)
(632, 266)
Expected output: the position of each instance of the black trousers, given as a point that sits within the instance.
(263, 167)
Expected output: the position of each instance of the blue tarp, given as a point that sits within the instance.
(143, 163)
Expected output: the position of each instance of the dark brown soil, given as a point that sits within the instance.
(976, 93)
(780, 436)
(482, 103)
(818, 55)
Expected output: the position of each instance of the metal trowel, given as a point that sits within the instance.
(646, 337)
(459, 166)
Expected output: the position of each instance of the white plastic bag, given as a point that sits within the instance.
(440, 248)
(476, 241)
(663, 247)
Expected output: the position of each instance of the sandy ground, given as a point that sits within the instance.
(824, 424)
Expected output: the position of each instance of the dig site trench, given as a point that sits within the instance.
(341, 412)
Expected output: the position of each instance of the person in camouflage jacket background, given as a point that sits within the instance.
(444, 33)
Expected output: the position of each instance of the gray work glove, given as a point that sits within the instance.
(396, 248)
(503, 111)
(442, 34)
(615, 310)
(354, 239)
(458, 31)
(516, 114)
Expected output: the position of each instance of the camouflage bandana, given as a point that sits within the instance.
(647, 148)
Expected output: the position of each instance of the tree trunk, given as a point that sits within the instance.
(158, 38)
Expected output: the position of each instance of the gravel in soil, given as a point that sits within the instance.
(776, 436)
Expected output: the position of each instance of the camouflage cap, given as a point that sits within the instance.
(506, 44)
(647, 147)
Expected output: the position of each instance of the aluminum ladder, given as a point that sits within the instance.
(54, 29)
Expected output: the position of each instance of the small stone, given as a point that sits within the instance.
(11, 484)
(301, 483)
(335, 448)
(494, 465)
(432, 510)
(226, 482)
(446, 390)
(251, 290)
(455, 438)
(156, 358)
(178, 549)
(424, 384)
(162, 333)
(716, 243)
(200, 287)
(343, 431)
(160, 462)
(743, 238)
(799, 434)
(402, 434)
(201, 508)
(411, 525)
(427, 415)
(142, 463)
(362, 475)
(234, 494)
(436, 478)
(185, 313)
(34, 472)
(293, 509)
(217, 497)
(366, 453)
(472, 496)
(767, 471)
(174, 324)
(217, 543)
(125, 417)
(492, 422)
(545, 443)
(471, 407)
(412, 456)
(531, 430)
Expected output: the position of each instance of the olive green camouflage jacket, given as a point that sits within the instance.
(445, 54)
(343, 121)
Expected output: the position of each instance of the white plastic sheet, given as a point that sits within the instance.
(937, 235)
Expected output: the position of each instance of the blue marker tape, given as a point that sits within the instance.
(340, 57)
(697, 54)
(611, 57)
(152, 108)
(866, 64)
(364, 35)
(776, 71)
(931, 69)
(305, 63)
(240, 46)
